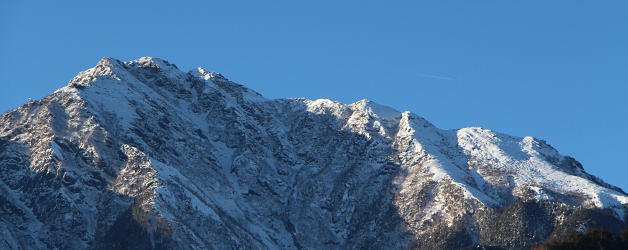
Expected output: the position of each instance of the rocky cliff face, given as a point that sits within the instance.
(141, 155)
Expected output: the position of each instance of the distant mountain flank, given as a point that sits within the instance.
(140, 155)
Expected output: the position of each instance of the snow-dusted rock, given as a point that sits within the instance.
(141, 154)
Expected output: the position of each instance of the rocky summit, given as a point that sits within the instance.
(140, 155)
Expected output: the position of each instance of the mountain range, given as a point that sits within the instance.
(141, 155)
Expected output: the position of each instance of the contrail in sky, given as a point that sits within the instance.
(436, 77)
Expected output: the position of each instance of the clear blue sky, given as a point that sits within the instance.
(555, 70)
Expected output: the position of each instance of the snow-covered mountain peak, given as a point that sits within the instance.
(137, 69)
(109, 62)
(377, 110)
(321, 106)
(207, 75)
(106, 67)
(148, 61)
(157, 65)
